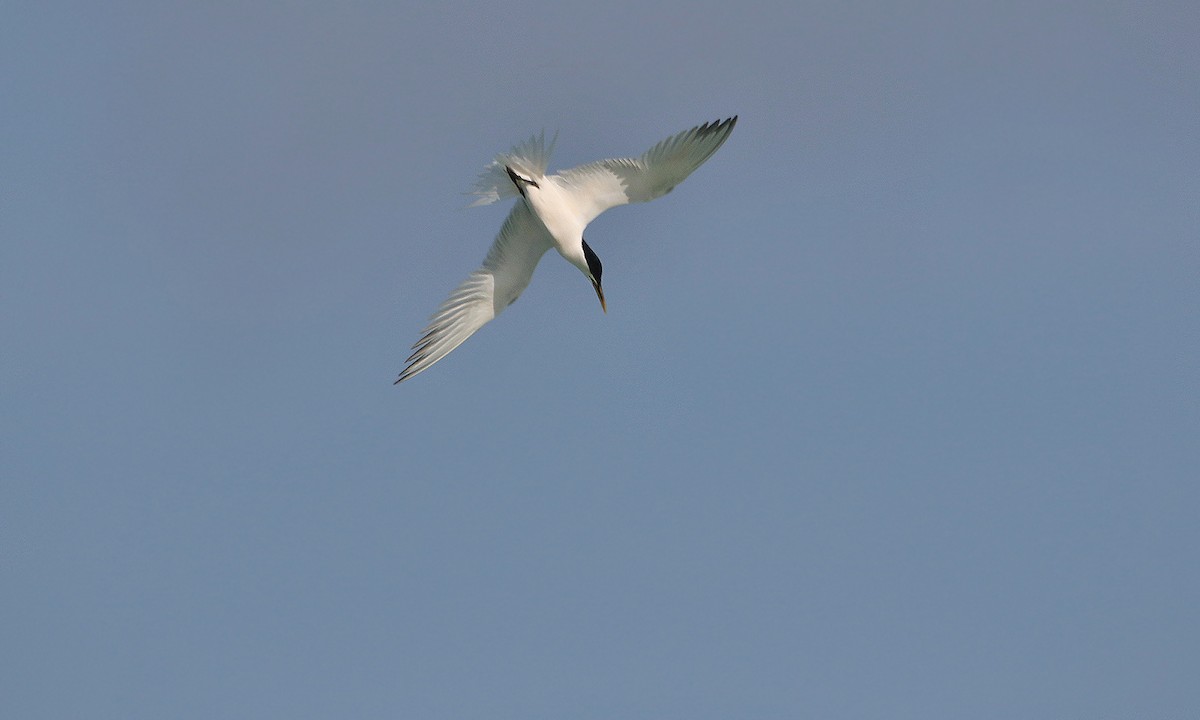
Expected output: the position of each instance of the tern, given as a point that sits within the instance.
(552, 212)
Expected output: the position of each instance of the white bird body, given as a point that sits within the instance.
(553, 212)
(558, 209)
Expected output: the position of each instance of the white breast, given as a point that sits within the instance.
(557, 208)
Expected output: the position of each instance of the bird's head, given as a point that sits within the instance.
(593, 270)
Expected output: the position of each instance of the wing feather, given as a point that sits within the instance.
(485, 293)
(605, 184)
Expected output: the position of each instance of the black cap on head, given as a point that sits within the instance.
(594, 266)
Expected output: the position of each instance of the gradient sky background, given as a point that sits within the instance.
(895, 411)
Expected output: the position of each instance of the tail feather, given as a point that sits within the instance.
(529, 158)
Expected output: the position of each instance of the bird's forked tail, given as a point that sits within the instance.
(529, 158)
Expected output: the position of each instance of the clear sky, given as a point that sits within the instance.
(895, 412)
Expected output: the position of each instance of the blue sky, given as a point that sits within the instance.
(894, 412)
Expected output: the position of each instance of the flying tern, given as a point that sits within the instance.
(552, 212)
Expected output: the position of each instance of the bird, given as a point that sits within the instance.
(552, 211)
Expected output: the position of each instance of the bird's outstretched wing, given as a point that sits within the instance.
(598, 186)
(486, 292)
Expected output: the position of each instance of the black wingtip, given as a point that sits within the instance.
(718, 126)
